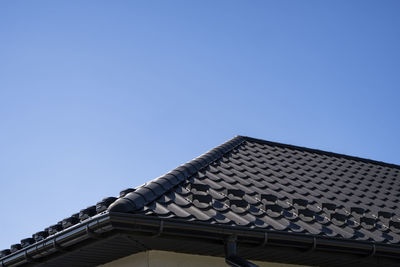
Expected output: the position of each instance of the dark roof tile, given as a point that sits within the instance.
(68, 222)
(199, 187)
(54, 228)
(179, 211)
(4, 252)
(40, 235)
(234, 193)
(197, 213)
(277, 187)
(87, 213)
(15, 248)
(27, 241)
(160, 209)
(126, 191)
(206, 199)
(146, 192)
(269, 197)
(385, 214)
(250, 199)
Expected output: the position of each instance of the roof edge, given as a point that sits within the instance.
(100, 227)
(157, 187)
(214, 229)
(328, 153)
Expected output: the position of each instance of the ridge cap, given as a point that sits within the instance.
(155, 188)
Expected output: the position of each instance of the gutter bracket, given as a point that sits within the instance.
(362, 258)
(314, 245)
(92, 234)
(29, 258)
(231, 257)
(160, 230)
(373, 251)
(58, 247)
(265, 241)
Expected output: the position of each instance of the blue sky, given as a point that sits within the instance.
(99, 96)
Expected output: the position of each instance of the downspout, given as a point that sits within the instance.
(231, 256)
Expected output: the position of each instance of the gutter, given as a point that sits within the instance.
(59, 242)
(256, 237)
(94, 227)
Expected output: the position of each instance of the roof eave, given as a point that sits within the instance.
(253, 236)
(98, 226)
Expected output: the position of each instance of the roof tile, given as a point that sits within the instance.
(260, 184)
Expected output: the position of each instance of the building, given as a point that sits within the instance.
(247, 202)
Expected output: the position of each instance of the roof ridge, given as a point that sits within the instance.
(328, 153)
(159, 186)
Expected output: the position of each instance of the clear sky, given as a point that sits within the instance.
(99, 96)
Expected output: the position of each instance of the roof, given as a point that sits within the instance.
(258, 185)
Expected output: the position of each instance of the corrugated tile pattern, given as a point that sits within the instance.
(283, 188)
(260, 184)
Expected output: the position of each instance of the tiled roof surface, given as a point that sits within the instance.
(259, 184)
